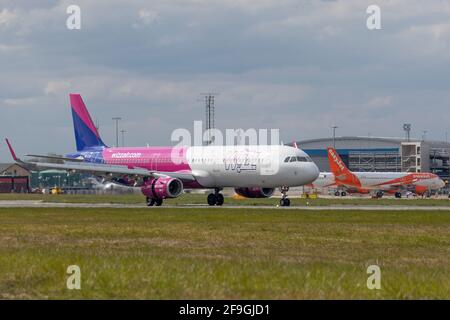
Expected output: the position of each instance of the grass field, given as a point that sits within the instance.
(201, 199)
(220, 253)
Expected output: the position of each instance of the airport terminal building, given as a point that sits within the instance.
(383, 154)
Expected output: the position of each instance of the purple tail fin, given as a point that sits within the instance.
(86, 134)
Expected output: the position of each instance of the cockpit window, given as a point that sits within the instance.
(298, 159)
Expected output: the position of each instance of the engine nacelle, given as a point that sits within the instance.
(420, 190)
(255, 192)
(162, 188)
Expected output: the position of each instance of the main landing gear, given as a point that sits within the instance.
(216, 198)
(154, 202)
(284, 201)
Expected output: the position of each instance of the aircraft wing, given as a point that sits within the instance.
(105, 169)
(55, 158)
(100, 169)
(399, 183)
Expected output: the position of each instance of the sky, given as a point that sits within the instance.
(301, 66)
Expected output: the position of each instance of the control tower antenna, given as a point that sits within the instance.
(209, 113)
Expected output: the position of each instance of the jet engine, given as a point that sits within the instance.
(255, 192)
(420, 190)
(162, 188)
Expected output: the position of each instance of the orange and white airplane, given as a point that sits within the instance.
(341, 177)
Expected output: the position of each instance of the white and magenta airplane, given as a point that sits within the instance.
(164, 172)
(341, 177)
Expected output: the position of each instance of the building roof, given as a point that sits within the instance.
(6, 166)
(366, 142)
(357, 138)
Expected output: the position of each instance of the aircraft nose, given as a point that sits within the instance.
(313, 172)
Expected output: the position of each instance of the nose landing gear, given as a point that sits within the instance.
(284, 201)
(216, 198)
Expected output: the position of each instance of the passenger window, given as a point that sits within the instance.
(287, 159)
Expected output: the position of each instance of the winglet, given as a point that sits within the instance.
(294, 144)
(13, 154)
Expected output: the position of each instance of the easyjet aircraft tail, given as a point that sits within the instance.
(86, 134)
(339, 169)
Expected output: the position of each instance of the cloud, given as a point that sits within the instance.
(6, 18)
(300, 66)
(4, 48)
(148, 16)
(57, 87)
(379, 102)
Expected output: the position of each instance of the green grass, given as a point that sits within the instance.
(201, 199)
(218, 253)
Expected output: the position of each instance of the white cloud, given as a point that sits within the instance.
(12, 48)
(146, 18)
(379, 102)
(21, 102)
(296, 65)
(57, 87)
(6, 17)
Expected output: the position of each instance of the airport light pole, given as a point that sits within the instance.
(424, 135)
(334, 136)
(123, 137)
(117, 130)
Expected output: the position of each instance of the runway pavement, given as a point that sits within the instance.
(41, 204)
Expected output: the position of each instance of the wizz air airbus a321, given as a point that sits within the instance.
(164, 172)
(376, 182)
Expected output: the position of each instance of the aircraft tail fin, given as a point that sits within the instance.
(86, 134)
(11, 150)
(337, 166)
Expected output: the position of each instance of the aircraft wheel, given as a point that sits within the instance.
(337, 194)
(343, 194)
(150, 202)
(158, 202)
(398, 195)
(220, 199)
(379, 194)
(285, 202)
(212, 199)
